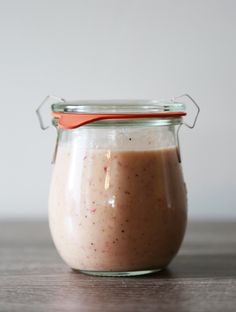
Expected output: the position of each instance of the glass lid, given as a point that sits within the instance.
(118, 106)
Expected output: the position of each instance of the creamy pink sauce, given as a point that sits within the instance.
(117, 210)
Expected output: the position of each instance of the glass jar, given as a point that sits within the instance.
(117, 203)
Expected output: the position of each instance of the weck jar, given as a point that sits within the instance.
(117, 203)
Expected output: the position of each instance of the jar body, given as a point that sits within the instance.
(117, 202)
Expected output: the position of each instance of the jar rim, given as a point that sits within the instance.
(118, 106)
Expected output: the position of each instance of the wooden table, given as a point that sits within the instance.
(34, 278)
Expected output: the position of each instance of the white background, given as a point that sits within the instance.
(97, 49)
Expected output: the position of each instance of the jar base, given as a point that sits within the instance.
(120, 273)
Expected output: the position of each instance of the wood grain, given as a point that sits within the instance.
(201, 278)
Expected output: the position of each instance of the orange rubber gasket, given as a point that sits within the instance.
(73, 120)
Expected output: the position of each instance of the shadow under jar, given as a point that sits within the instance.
(117, 203)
